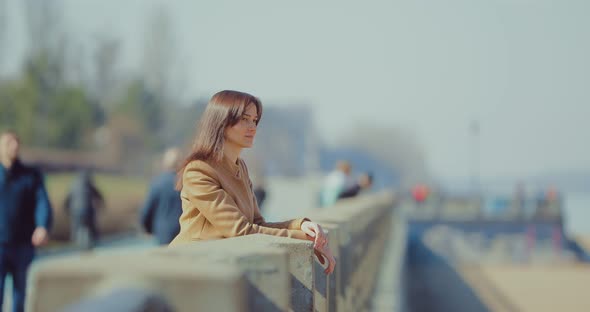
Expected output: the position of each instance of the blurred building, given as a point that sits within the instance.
(287, 142)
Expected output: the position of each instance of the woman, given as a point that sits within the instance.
(216, 191)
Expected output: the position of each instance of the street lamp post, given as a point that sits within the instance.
(474, 131)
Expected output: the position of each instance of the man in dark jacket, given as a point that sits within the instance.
(25, 217)
(163, 207)
(81, 205)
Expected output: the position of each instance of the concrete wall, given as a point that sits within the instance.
(249, 273)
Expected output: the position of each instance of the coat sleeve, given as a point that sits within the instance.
(43, 211)
(146, 217)
(294, 224)
(205, 194)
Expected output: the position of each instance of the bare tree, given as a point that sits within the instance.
(3, 28)
(47, 46)
(162, 72)
(105, 58)
(158, 57)
(44, 28)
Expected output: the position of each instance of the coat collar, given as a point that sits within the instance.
(16, 167)
(234, 168)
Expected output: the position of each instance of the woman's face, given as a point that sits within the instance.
(242, 134)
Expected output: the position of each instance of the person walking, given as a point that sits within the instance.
(81, 204)
(162, 208)
(25, 217)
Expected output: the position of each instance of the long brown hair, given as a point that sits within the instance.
(224, 110)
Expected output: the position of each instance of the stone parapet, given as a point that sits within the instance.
(249, 273)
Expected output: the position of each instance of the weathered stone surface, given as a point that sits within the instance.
(265, 267)
(186, 285)
(249, 273)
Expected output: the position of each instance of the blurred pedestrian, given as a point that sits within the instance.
(335, 183)
(365, 181)
(420, 193)
(259, 189)
(216, 191)
(549, 204)
(81, 204)
(162, 208)
(25, 217)
(519, 201)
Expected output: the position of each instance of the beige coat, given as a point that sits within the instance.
(218, 202)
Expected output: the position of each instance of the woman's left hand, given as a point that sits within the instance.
(315, 231)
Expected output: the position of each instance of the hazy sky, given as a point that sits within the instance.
(519, 67)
